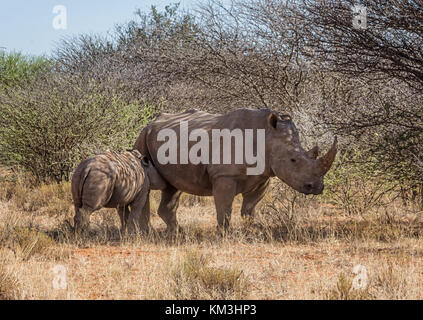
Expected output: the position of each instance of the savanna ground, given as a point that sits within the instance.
(306, 248)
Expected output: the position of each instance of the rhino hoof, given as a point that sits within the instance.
(224, 231)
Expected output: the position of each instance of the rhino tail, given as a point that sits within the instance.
(141, 143)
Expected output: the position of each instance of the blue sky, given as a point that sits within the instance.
(27, 25)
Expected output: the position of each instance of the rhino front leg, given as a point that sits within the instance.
(167, 209)
(252, 198)
(224, 190)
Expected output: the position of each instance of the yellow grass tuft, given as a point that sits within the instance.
(9, 285)
(192, 277)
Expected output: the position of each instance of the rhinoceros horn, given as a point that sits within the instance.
(324, 163)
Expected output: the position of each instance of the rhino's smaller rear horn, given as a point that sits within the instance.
(313, 153)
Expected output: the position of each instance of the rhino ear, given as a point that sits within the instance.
(287, 128)
(273, 120)
(136, 153)
(286, 117)
(313, 153)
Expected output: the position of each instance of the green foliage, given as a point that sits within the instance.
(18, 69)
(355, 185)
(52, 124)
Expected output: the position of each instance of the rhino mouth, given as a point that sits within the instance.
(310, 188)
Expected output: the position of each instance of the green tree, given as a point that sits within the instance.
(18, 69)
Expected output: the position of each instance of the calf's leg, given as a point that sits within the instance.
(82, 218)
(139, 216)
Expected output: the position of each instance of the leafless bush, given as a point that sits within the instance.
(375, 97)
(385, 41)
(217, 59)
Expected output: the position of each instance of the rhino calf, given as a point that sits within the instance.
(113, 180)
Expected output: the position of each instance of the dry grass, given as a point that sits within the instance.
(192, 277)
(53, 199)
(27, 242)
(9, 285)
(296, 248)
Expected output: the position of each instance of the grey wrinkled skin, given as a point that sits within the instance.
(113, 180)
(284, 158)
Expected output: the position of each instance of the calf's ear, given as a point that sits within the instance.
(136, 153)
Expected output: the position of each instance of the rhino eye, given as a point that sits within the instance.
(293, 160)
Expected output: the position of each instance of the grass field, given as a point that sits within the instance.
(311, 254)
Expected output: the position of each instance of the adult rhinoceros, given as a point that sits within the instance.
(284, 157)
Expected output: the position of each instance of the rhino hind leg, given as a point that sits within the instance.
(139, 216)
(123, 212)
(82, 218)
(144, 220)
(167, 209)
(95, 194)
(98, 187)
(251, 199)
(224, 190)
